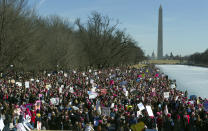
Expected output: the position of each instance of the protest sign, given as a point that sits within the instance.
(138, 127)
(91, 81)
(141, 106)
(37, 105)
(48, 87)
(124, 89)
(172, 86)
(126, 93)
(92, 95)
(112, 105)
(98, 108)
(1, 124)
(105, 111)
(71, 90)
(176, 98)
(38, 125)
(150, 130)
(20, 127)
(25, 125)
(60, 89)
(166, 110)
(18, 83)
(166, 94)
(139, 113)
(93, 89)
(153, 89)
(206, 105)
(96, 73)
(149, 111)
(138, 79)
(65, 74)
(191, 102)
(54, 101)
(75, 108)
(27, 84)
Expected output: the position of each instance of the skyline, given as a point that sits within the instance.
(185, 22)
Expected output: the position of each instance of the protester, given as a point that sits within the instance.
(103, 100)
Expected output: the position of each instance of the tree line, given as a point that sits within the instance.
(32, 42)
(199, 58)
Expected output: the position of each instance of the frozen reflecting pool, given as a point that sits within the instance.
(191, 78)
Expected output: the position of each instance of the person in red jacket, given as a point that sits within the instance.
(33, 117)
(159, 121)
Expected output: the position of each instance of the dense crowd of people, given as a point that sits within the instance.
(113, 99)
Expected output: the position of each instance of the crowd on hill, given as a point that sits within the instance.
(113, 99)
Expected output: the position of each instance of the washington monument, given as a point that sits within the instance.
(160, 36)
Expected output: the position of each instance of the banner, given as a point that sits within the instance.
(105, 111)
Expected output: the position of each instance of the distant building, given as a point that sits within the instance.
(160, 35)
(153, 56)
